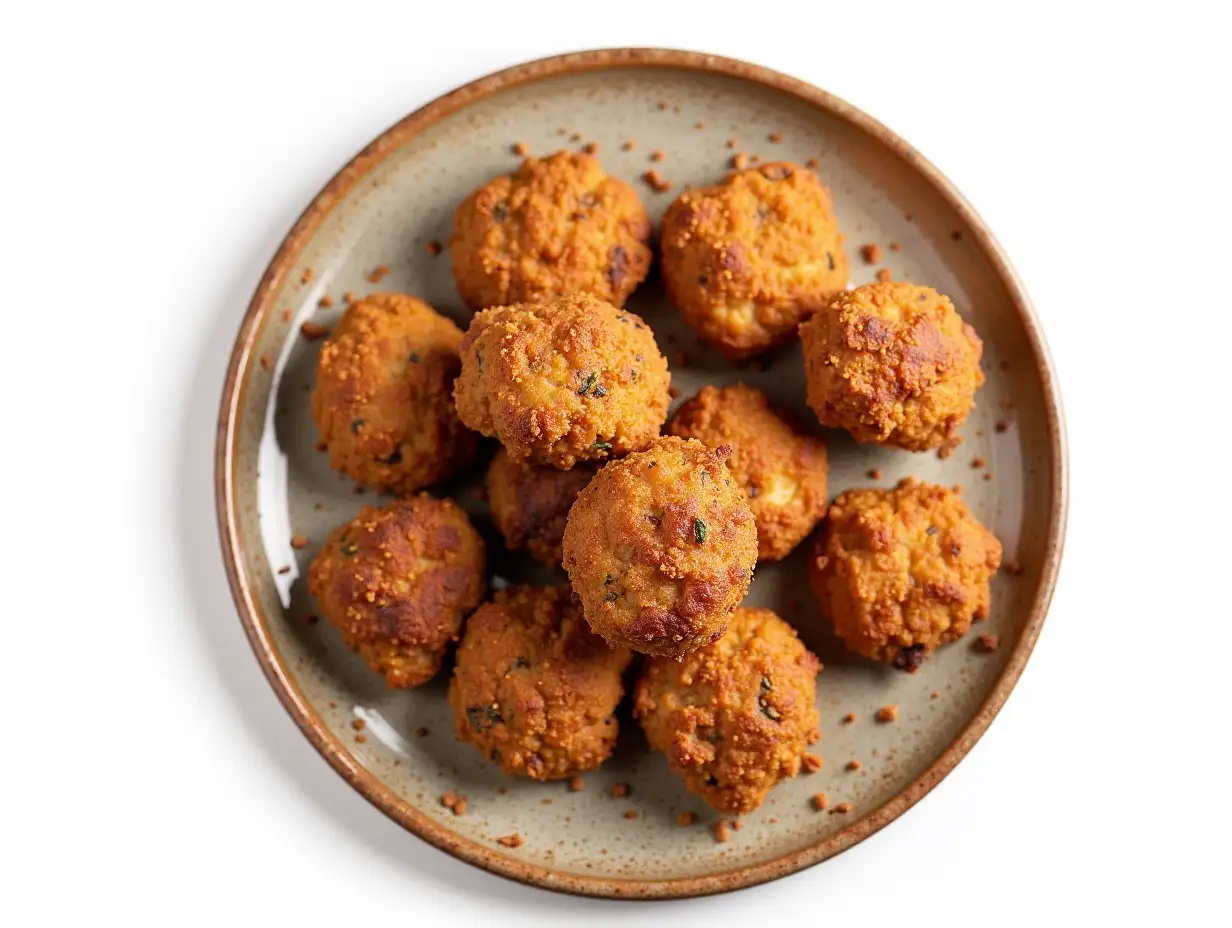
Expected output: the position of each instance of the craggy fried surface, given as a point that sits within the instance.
(892, 363)
(782, 470)
(383, 400)
(747, 259)
(554, 227)
(534, 689)
(397, 583)
(900, 572)
(573, 379)
(530, 503)
(660, 547)
(735, 717)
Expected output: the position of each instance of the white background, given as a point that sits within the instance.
(153, 155)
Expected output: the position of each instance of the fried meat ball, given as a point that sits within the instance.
(747, 259)
(530, 503)
(534, 689)
(901, 572)
(397, 583)
(569, 380)
(783, 471)
(660, 547)
(383, 400)
(892, 363)
(555, 226)
(735, 717)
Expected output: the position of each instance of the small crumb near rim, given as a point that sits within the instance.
(775, 137)
(737, 824)
(870, 253)
(812, 164)
(590, 148)
(895, 246)
(360, 739)
(854, 764)
(812, 763)
(884, 275)
(358, 724)
(629, 145)
(1013, 567)
(313, 331)
(849, 718)
(326, 301)
(686, 818)
(284, 569)
(842, 808)
(656, 155)
(987, 643)
(978, 462)
(655, 182)
(299, 541)
(421, 732)
(821, 802)
(935, 694)
(286, 315)
(887, 713)
(721, 830)
(740, 161)
(576, 785)
(1001, 426)
(621, 790)
(434, 247)
(267, 360)
(874, 474)
(377, 274)
(630, 814)
(514, 840)
(306, 277)
(518, 148)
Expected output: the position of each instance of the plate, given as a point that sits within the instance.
(387, 208)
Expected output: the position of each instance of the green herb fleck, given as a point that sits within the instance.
(607, 581)
(611, 597)
(483, 717)
(350, 549)
(700, 531)
(600, 390)
(590, 382)
(770, 712)
(414, 357)
(602, 446)
(830, 259)
(356, 425)
(765, 683)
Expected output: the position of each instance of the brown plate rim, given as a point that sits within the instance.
(256, 624)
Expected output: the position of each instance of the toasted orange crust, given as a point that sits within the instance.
(660, 547)
(892, 363)
(901, 572)
(573, 379)
(398, 581)
(383, 400)
(745, 261)
(556, 226)
(735, 717)
(782, 470)
(530, 503)
(534, 689)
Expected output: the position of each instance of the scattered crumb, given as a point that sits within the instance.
(518, 148)
(854, 764)
(686, 817)
(575, 137)
(421, 732)
(870, 253)
(317, 507)
(849, 718)
(284, 569)
(673, 392)
(514, 840)
(731, 143)
(812, 163)
(887, 713)
(359, 490)
(629, 145)
(359, 724)
(630, 814)
(286, 315)
(656, 156)
(699, 125)
(812, 763)
(545, 802)
(884, 275)
(1001, 426)
(434, 248)
(562, 131)
(621, 790)
(957, 488)
(591, 148)
(978, 462)
(948, 448)
(655, 182)
(821, 802)
(500, 790)
(576, 785)
(326, 301)
(874, 474)
(988, 476)
(460, 806)
(737, 824)
(813, 737)
(955, 236)
(360, 739)
(449, 799)
(313, 331)
(267, 360)
(987, 643)
(754, 159)
(1012, 567)
(378, 273)
(842, 808)
(894, 246)
(775, 137)
(772, 820)
(663, 104)
(299, 541)
(349, 298)
(321, 446)
(679, 358)
(721, 831)
(935, 694)
(306, 277)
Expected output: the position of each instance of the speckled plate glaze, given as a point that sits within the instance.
(385, 207)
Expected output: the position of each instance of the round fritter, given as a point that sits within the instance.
(397, 583)
(892, 364)
(534, 689)
(900, 572)
(553, 227)
(660, 547)
(383, 401)
(783, 471)
(735, 717)
(530, 503)
(572, 379)
(747, 259)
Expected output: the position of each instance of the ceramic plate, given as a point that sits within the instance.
(387, 207)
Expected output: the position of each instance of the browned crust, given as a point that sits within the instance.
(243, 363)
